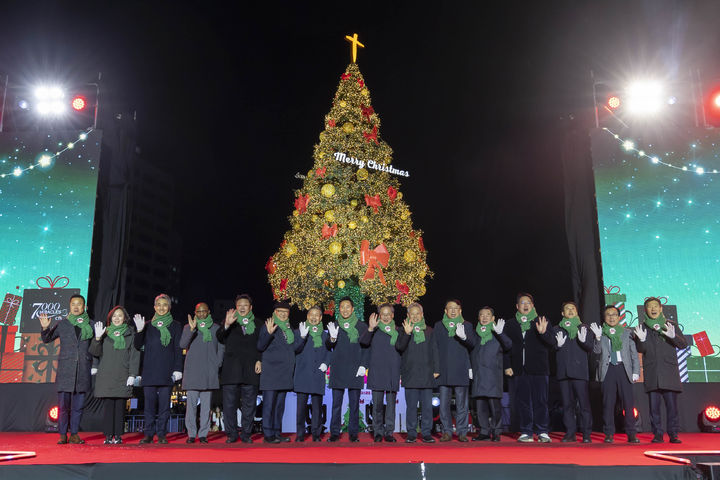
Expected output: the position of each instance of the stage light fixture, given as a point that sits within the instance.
(435, 402)
(710, 419)
(79, 103)
(49, 100)
(614, 102)
(54, 413)
(644, 98)
(23, 104)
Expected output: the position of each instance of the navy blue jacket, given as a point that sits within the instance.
(74, 361)
(572, 357)
(278, 359)
(419, 362)
(346, 358)
(536, 349)
(487, 364)
(454, 359)
(384, 364)
(308, 377)
(159, 362)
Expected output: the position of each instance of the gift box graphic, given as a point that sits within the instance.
(617, 299)
(9, 308)
(40, 362)
(7, 338)
(11, 367)
(51, 298)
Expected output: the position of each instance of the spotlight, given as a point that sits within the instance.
(613, 102)
(435, 401)
(51, 421)
(645, 98)
(23, 104)
(79, 103)
(710, 419)
(49, 100)
(54, 413)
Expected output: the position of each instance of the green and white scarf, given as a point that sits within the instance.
(284, 325)
(116, 333)
(615, 336)
(83, 322)
(656, 324)
(350, 326)
(525, 320)
(570, 325)
(419, 331)
(204, 327)
(390, 330)
(452, 323)
(162, 322)
(315, 332)
(247, 321)
(485, 332)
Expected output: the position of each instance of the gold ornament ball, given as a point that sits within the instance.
(352, 225)
(364, 219)
(409, 256)
(290, 249)
(341, 284)
(343, 103)
(348, 127)
(353, 203)
(320, 272)
(310, 173)
(330, 215)
(335, 247)
(322, 136)
(295, 213)
(422, 273)
(362, 174)
(314, 218)
(399, 195)
(364, 92)
(404, 216)
(328, 190)
(422, 290)
(387, 234)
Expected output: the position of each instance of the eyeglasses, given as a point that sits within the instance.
(201, 311)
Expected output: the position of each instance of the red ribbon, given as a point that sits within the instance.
(612, 289)
(271, 266)
(301, 202)
(372, 135)
(320, 172)
(402, 287)
(52, 282)
(392, 193)
(361, 82)
(345, 76)
(283, 284)
(374, 259)
(421, 245)
(367, 111)
(373, 201)
(328, 231)
(331, 122)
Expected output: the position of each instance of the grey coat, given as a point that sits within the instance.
(660, 363)
(203, 359)
(628, 352)
(115, 366)
(74, 361)
(487, 364)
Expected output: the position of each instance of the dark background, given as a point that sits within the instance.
(474, 98)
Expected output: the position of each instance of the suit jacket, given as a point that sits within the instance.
(660, 364)
(628, 352)
(74, 361)
(453, 355)
(572, 357)
(203, 359)
(384, 367)
(308, 376)
(346, 358)
(419, 362)
(487, 364)
(241, 354)
(278, 358)
(159, 362)
(536, 347)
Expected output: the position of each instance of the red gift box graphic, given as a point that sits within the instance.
(7, 338)
(9, 308)
(702, 342)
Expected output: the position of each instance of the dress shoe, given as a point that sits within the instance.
(410, 439)
(300, 437)
(446, 437)
(231, 439)
(544, 438)
(608, 439)
(146, 440)
(354, 438)
(481, 437)
(586, 439)
(244, 439)
(675, 439)
(569, 439)
(390, 439)
(525, 438)
(271, 440)
(633, 439)
(316, 438)
(203, 440)
(190, 440)
(108, 440)
(657, 438)
(117, 440)
(162, 440)
(282, 439)
(377, 438)
(462, 438)
(75, 438)
(333, 438)
(496, 437)
(63, 440)
(428, 439)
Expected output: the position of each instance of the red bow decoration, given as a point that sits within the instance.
(403, 288)
(271, 266)
(57, 282)
(421, 245)
(612, 289)
(392, 193)
(345, 76)
(367, 111)
(331, 122)
(301, 202)
(372, 135)
(361, 82)
(330, 308)
(374, 258)
(328, 231)
(283, 284)
(663, 300)
(320, 172)
(373, 201)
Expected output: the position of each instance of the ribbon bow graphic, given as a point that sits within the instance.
(392, 193)
(374, 259)
(57, 282)
(271, 266)
(612, 289)
(367, 111)
(301, 202)
(372, 135)
(373, 201)
(328, 231)
(320, 172)
(345, 76)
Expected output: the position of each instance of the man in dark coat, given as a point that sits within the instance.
(311, 363)
(347, 368)
(573, 347)
(418, 369)
(454, 361)
(488, 345)
(384, 372)
(74, 364)
(241, 367)
(657, 341)
(159, 339)
(528, 366)
(202, 365)
(278, 343)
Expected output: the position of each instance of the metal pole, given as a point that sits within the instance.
(2, 111)
(702, 104)
(694, 99)
(597, 118)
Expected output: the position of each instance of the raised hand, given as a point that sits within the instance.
(582, 333)
(360, 372)
(670, 330)
(99, 330)
(130, 381)
(139, 322)
(44, 320)
(460, 331)
(542, 325)
(499, 326)
(304, 329)
(597, 331)
(407, 325)
(230, 317)
(640, 333)
(270, 325)
(192, 322)
(560, 338)
(373, 321)
(333, 330)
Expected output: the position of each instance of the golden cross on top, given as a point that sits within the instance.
(355, 44)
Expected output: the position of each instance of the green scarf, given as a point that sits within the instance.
(571, 326)
(82, 321)
(389, 330)
(117, 335)
(248, 322)
(161, 322)
(525, 325)
(485, 332)
(285, 327)
(349, 325)
(452, 323)
(419, 331)
(204, 327)
(315, 332)
(657, 324)
(615, 336)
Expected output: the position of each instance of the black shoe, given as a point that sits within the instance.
(333, 438)
(390, 439)
(354, 438)
(245, 439)
(377, 438)
(316, 438)
(462, 438)
(569, 438)
(300, 437)
(146, 440)
(675, 439)
(608, 439)
(190, 440)
(586, 439)
(231, 439)
(658, 438)
(162, 440)
(271, 440)
(496, 437)
(410, 439)
(108, 440)
(481, 437)
(428, 439)
(633, 439)
(282, 439)
(203, 440)
(117, 440)
(75, 438)
(63, 439)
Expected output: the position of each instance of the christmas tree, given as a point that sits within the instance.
(351, 231)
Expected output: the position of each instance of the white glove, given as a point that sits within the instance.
(93, 371)
(138, 381)
(635, 377)
(333, 329)
(470, 373)
(99, 330)
(640, 333)
(597, 331)
(582, 334)
(304, 329)
(560, 338)
(322, 368)
(130, 381)
(360, 372)
(139, 322)
(460, 331)
(499, 326)
(670, 332)
(176, 376)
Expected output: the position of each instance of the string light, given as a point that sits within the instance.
(46, 160)
(629, 146)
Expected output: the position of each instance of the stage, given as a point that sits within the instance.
(343, 460)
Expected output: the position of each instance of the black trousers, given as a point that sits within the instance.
(114, 416)
(243, 396)
(157, 402)
(353, 408)
(529, 400)
(617, 385)
(671, 408)
(575, 392)
(70, 406)
(489, 414)
(383, 423)
(424, 397)
(302, 408)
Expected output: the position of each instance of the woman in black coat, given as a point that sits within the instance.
(119, 365)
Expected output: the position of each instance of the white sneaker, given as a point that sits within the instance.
(525, 438)
(544, 438)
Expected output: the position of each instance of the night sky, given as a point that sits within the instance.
(473, 100)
